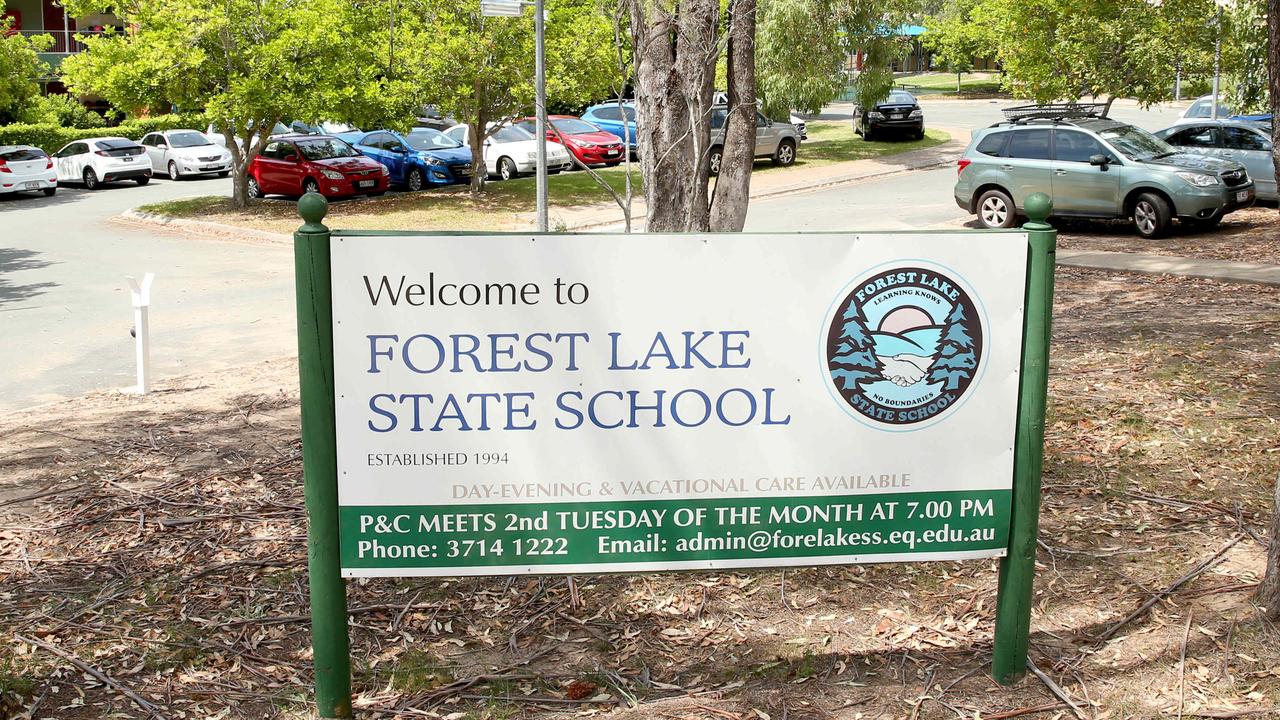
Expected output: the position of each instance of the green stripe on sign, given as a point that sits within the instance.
(657, 531)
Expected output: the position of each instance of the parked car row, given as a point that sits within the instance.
(1097, 167)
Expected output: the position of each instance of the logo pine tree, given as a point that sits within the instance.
(854, 361)
(955, 360)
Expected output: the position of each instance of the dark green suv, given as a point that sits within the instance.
(1095, 167)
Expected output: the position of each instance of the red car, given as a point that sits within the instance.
(588, 143)
(298, 164)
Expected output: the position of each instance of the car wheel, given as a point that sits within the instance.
(90, 179)
(785, 155)
(414, 181)
(920, 134)
(255, 190)
(995, 210)
(310, 186)
(142, 180)
(173, 171)
(714, 160)
(507, 168)
(48, 192)
(1151, 215)
(857, 128)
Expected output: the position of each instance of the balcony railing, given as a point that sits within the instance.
(64, 41)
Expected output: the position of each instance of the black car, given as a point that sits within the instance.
(898, 112)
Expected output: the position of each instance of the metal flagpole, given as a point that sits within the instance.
(540, 87)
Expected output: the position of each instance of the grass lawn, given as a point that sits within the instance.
(945, 83)
(509, 205)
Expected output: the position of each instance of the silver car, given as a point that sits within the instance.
(182, 153)
(777, 141)
(1244, 142)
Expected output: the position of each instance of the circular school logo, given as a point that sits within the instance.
(904, 345)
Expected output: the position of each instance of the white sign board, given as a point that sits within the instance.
(605, 403)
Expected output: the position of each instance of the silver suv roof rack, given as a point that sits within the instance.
(1055, 111)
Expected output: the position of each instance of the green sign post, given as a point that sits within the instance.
(320, 463)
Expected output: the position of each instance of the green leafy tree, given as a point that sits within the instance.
(801, 60)
(1069, 49)
(955, 40)
(20, 71)
(1244, 56)
(480, 69)
(247, 63)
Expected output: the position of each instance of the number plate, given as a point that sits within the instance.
(1242, 196)
(127, 159)
(611, 152)
(366, 183)
(31, 186)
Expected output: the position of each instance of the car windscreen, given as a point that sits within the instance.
(510, 134)
(23, 155)
(427, 139)
(898, 97)
(325, 149)
(334, 128)
(1136, 143)
(119, 147)
(573, 126)
(188, 139)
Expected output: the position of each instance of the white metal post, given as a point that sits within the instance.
(540, 88)
(141, 296)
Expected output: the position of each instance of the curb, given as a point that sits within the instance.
(1168, 265)
(202, 227)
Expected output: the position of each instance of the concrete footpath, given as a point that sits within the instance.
(1223, 270)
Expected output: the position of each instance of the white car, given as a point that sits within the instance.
(510, 152)
(217, 137)
(25, 168)
(1202, 109)
(105, 159)
(185, 152)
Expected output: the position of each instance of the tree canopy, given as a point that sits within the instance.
(20, 70)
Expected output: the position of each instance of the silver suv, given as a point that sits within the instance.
(1095, 167)
(775, 140)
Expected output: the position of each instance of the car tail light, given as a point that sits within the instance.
(48, 163)
(4, 167)
(103, 153)
(961, 164)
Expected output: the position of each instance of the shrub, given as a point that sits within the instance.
(50, 137)
(61, 110)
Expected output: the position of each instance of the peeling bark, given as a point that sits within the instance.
(733, 186)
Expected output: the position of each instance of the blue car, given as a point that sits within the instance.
(421, 158)
(608, 117)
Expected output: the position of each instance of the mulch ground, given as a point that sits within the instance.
(1250, 235)
(152, 564)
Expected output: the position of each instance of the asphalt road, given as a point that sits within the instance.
(64, 300)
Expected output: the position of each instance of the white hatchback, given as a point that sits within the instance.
(97, 160)
(179, 153)
(510, 151)
(25, 168)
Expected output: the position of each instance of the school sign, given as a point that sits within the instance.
(480, 404)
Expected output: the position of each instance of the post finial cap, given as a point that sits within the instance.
(313, 207)
(1037, 207)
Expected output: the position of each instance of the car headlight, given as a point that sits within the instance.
(331, 174)
(532, 156)
(436, 161)
(586, 144)
(1199, 179)
(383, 169)
(917, 113)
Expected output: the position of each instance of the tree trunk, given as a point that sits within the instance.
(675, 47)
(475, 137)
(243, 151)
(733, 186)
(1269, 589)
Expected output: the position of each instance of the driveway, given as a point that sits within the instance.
(65, 302)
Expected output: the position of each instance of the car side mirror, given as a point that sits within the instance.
(1099, 160)
(291, 158)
